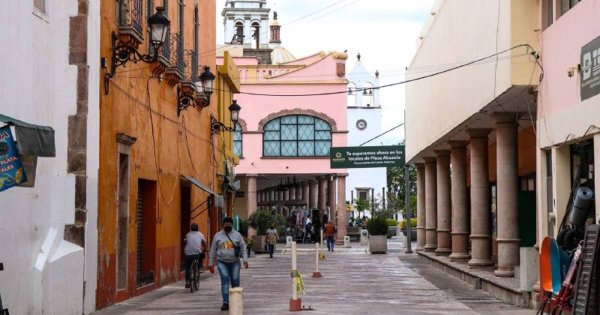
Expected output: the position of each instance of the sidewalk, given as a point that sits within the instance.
(354, 282)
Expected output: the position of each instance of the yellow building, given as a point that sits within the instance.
(159, 159)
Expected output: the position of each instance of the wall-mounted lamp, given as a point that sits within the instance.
(196, 94)
(124, 51)
(217, 126)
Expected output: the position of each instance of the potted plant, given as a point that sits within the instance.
(392, 227)
(413, 228)
(378, 228)
(261, 220)
(244, 231)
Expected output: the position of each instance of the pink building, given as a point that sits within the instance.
(293, 112)
(568, 127)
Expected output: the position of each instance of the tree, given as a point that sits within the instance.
(362, 205)
(397, 186)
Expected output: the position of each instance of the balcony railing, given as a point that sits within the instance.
(176, 56)
(130, 20)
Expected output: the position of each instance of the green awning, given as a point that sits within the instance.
(219, 201)
(32, 139)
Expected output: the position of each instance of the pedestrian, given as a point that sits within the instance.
(307, 230)
(330, 231)
(195, 246)
(272, 238)
(227, 248)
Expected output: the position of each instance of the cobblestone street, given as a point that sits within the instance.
(354, 282)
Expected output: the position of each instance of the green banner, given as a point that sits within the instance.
(363, 157)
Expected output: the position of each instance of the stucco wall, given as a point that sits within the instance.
(562, 114)
(463, 31)
(42, 272)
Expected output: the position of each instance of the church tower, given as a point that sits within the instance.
(247, 23)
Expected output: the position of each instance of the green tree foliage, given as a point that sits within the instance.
(377, 225)
(261, 220)
(396, 187)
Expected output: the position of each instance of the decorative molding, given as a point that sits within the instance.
(297, 111)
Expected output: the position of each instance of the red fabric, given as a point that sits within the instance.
(329, 230)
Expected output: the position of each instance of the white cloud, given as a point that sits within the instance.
(383, 31)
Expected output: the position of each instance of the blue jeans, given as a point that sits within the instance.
(330, 243)
(188, 265)
(230, 273)
(271, 248)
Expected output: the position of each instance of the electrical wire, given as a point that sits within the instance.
(389, 130)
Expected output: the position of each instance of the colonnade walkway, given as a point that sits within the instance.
(353, 282)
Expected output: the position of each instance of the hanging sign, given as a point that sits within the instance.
(362, 157)
(12, 172)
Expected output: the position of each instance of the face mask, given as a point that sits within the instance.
(227, 228)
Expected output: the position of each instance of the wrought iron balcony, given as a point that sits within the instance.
(130, 19)
(177, 57)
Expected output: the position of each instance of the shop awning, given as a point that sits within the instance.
(219, 201)
(32, 139)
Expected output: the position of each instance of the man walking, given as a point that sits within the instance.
(330, 231)
(225, 251)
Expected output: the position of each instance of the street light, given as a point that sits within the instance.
(124, 51)
(217, 126)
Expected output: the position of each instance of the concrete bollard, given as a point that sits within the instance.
(364, 237)
(236, 301)
(288, 241)
(347, 241)
(295, 302)
(317, 273)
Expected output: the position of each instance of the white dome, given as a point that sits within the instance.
(281, 55)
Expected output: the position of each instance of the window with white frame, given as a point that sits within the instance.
(296, 136)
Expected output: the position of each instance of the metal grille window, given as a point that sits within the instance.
(237, 140)
(297, 135)
(130, 18)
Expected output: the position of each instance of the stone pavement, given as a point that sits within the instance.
(353, 282)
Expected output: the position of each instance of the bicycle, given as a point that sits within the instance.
(195, 275)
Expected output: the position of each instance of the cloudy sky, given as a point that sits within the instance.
(385, 33)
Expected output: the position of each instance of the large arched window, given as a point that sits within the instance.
(237, 140)
(297, 135)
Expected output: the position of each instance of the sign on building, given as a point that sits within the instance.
(362, 157)
(590, 69)
(12, 172)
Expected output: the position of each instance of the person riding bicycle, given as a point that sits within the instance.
(195, 246)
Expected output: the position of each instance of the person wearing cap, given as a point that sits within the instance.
(227, 250)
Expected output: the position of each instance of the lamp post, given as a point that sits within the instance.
(217, 126)
(407, 195)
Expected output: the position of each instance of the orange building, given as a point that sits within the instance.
(159, 158)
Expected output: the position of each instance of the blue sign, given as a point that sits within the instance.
(12, 172)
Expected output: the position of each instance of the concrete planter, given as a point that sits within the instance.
(377, 244)
(413, 234)
(259, 244)
(391, 231)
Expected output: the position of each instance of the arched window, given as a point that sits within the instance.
(238, 38)
(297, 135)
(237, 140)
(256, 34)
(352, 94)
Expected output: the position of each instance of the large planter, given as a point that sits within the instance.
(391, 231)
(413, 234)
(259, 244)
(377, 244)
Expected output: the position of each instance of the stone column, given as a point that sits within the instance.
(322, 193)
(430, 205)
(314, 194)
(481, 247)
(508, 189)
(460, 225)
(341, 207)
(331, 199)
(443, 202)
(286, 194)
(251, 197)
(293, 193)
(305, 193)
(420, 206)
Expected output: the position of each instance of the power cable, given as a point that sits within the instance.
(389, 130)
